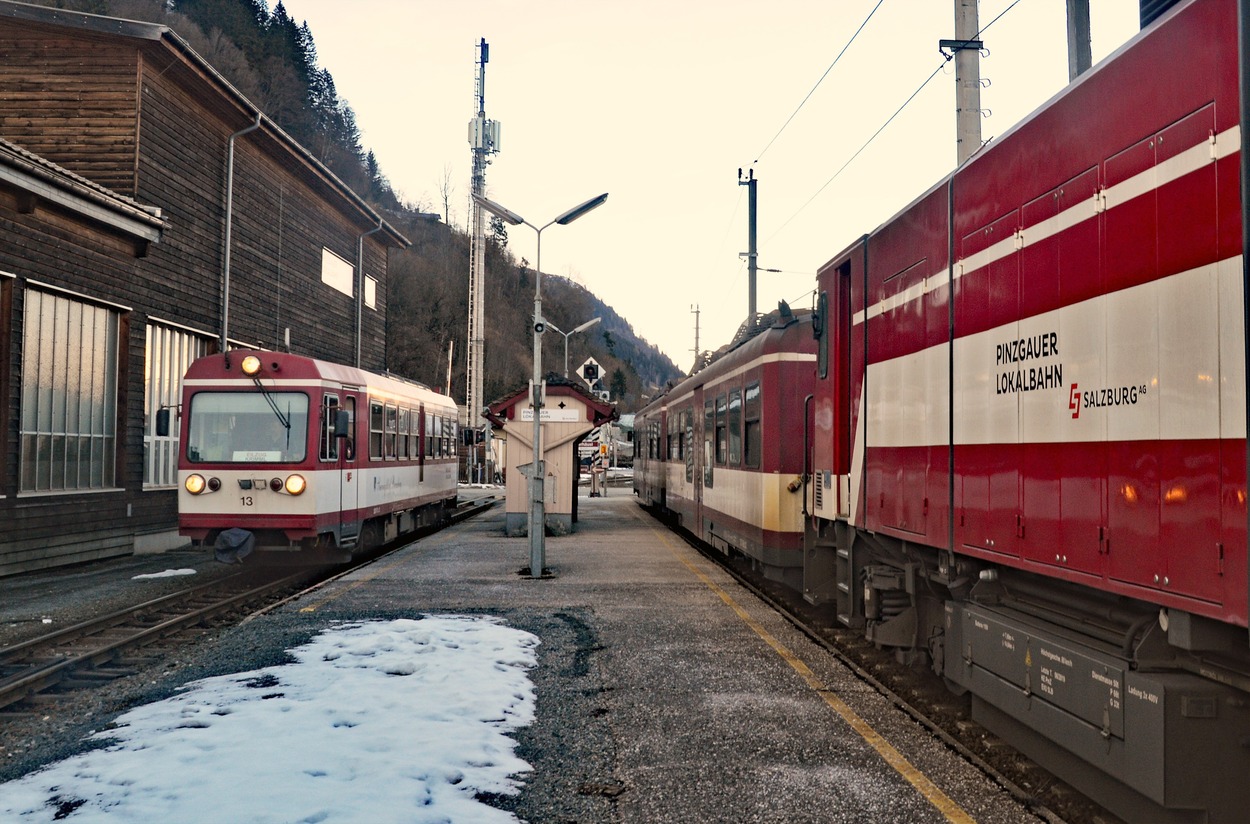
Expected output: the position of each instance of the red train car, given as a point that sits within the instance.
(722, 451)
(1030, 429)
(305, 454)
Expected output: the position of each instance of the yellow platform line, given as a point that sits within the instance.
(932, 793)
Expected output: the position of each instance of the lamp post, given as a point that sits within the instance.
(538, 517)
(568, 335)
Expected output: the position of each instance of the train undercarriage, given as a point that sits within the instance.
(1156, 701)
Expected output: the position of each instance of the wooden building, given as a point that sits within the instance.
(149, 213)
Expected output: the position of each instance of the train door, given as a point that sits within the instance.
(700, 449)
(349, 476)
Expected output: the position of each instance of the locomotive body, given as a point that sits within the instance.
(305, 454)
(1030, 430)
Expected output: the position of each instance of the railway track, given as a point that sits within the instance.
(123, 643)
(922, 696)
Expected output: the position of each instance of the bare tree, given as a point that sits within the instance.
(445, 190)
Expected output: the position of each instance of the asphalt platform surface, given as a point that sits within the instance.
(665, 692)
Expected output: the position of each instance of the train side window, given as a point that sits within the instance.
(452, 440)
(349, 447)
(688, 433)
(392, 431)
(722, 439)
(376, 426)
(404, 454)
(329, 443)
(709, 429)
(752, 441)
(735, 427)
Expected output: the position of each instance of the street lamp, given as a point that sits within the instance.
(568, 335)
(538, 517)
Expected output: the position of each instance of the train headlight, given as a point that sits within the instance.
(295, 484)
(250, 366)
(195, 484)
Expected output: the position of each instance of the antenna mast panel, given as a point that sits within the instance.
(484, 142)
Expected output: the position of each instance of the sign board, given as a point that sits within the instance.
(550, 415)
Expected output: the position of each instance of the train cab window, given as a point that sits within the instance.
(404, 452)
(248, 427)
(735, 428)
(329, 444)
(709, 429)
(752, 435)
(722, 434)
(392, 431)
(377, 418)
(820, 327)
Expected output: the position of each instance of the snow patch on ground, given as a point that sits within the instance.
(403, 720)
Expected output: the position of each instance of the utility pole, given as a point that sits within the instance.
(967, 54)
(1080, 56)
(752, 251)
(697, 352)
(484, 140)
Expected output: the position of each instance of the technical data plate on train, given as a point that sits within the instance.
(1077, 681)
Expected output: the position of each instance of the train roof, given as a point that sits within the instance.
(283, 366)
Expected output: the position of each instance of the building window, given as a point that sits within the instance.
(371, 292)
(338, 273)
(69, 395)
(752, 433)
(169, 352)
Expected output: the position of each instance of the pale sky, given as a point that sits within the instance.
(660, 102)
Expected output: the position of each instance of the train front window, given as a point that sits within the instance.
(248, 427)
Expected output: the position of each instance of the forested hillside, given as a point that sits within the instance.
(272, 60)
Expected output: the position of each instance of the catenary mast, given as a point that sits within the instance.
(484, 140)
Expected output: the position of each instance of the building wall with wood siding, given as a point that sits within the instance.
(128, 108)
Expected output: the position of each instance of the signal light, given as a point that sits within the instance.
(214, 484)
(250, 366)
(275, 484)
(295, 484)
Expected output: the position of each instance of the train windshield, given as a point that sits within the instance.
(248, 427)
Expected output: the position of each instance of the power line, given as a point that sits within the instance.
(859, 151)
(821, 80)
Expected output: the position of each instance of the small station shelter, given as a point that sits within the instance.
(569, 414)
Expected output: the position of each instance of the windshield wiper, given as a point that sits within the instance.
(285, 420)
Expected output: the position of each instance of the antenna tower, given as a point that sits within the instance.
(484, 140)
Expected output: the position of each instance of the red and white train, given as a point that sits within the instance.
(723, 452)
(1027, 435)
(305, 454)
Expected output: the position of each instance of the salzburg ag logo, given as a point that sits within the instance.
(1107, 396)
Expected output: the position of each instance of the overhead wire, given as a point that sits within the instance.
(860, 150)
(818, 82)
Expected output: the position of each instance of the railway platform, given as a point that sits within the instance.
(665, 692)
